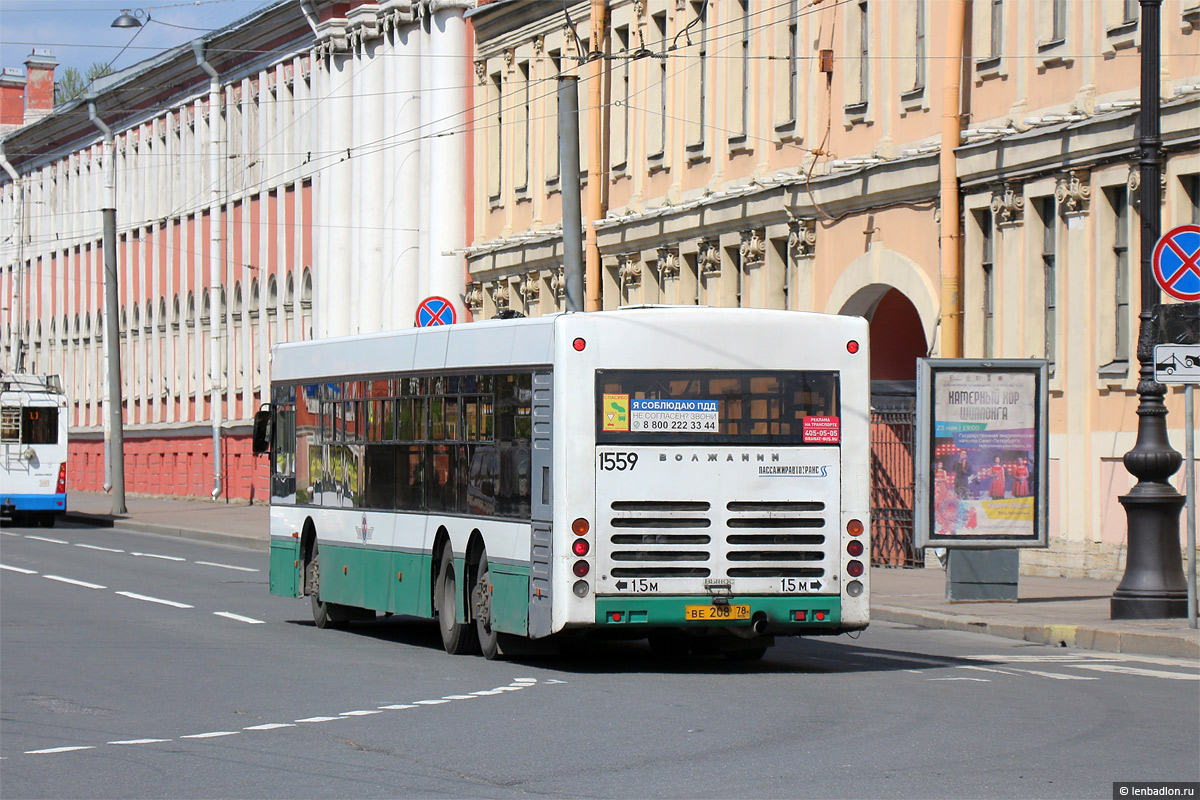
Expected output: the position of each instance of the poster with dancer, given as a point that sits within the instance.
(981, 454)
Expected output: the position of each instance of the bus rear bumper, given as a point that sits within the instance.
(19, 503)
(796, 615)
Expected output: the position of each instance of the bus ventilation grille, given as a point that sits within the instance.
(685, 539)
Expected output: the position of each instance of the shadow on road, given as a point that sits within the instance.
(598, 655)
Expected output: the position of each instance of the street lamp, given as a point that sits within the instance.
(1153, 586)
(128, 20)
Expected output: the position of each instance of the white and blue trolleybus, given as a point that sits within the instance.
(695, 476)
(33, 448)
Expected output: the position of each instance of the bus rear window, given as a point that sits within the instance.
(39, 425)
(719, 407)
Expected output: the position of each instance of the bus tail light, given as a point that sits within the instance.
(581, 589)
(581, 568)
(851, 347)
(581, 547)
(580, 526)
(854, 568)
(854, 588)
(62, 479)
(854, 527)
(855, 548)
(579, 344)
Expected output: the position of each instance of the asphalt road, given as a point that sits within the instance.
(139, 666)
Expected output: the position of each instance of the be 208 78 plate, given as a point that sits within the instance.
(709, 613)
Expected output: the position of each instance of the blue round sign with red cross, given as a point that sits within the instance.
(435, 311)
(1175, 262)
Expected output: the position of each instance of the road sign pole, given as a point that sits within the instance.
(1189, 448)
(1153, 585)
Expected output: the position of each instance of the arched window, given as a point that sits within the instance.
(76, 330)
(175, 314)
(206, 309)
(237, 301)
(87, 328)
(272, 296)
(65, 329)
(190, 320)
(124, 322)
(254, 298)
(162, 314)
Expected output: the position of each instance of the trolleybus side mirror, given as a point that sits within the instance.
(262, 430)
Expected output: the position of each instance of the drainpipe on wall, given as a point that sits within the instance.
(114, 431)
(597, 146)
(310, 14)
(216, 311)
(951, 316)
(14, 313)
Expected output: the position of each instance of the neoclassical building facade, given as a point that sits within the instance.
(357, 157)
(298, 173)
(789, 155)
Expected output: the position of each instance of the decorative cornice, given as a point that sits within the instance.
(629, 269)
(531, 285)
(709, 257)
(539, 45)
(668, 263)
(1073, 194)
(481, 72)
(753, 248)
(499, 292)
(558, 283)
(474, 297)
(1008, 206)
(802, 238)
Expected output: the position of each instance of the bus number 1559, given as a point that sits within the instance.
(617, 461)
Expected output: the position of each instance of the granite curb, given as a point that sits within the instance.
(215, 537)
(1085, 637)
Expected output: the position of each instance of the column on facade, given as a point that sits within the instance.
(443, 110)
(402, 262)
(1078, 364)
(369, 134)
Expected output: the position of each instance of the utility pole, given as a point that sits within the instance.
(1153, 585)
(115, 433)
(597, 178)
(572, 211)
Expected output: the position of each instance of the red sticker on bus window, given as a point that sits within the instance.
(821, 430)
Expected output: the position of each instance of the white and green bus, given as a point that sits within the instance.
(695, 476)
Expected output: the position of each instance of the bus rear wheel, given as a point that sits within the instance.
(481, 605)
(458, 638)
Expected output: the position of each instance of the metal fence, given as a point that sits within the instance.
(893, 425)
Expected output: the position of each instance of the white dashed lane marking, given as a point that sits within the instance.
(156, 555)
(517, 685)
(225, 566)
(17, 569)
(159, 600)
(98, 547)
(238, 617)
(45, 539)
(74, 582)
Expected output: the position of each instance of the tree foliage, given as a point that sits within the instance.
(72, 85)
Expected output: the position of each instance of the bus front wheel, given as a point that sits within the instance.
(458, 638)
(325, 615)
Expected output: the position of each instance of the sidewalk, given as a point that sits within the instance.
(1072, 612)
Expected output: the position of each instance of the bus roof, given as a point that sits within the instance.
(524, 341)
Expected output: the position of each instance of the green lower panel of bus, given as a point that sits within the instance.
(817, 611)
(285, 567)
(387, 580)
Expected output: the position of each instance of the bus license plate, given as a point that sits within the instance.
(694, 613)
